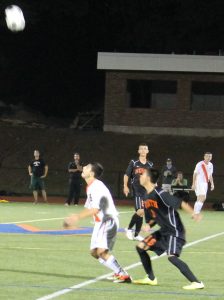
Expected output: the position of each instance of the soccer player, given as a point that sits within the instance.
(100, 206)
(38, 170)
(133, 171)
(160, 208)
(201, 177)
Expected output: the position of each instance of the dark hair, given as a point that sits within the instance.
(143, 144)
(153, 174)
(207, 153)
(97, 169)
(76, 153)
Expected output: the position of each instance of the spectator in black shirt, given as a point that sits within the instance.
(168, 174)
(133, 171)
(161, 208)
(38, 170)
(75, 171)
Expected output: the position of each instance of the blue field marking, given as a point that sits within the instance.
(13, 228)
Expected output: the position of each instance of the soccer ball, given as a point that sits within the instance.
(14, 18)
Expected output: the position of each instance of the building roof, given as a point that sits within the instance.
(160, 62)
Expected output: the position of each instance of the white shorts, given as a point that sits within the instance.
(201, 189)
(104, 234)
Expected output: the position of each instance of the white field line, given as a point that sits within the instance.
(51, 219)
(88, 282)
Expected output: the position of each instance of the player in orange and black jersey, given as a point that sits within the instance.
(133, 171)
(161, 208)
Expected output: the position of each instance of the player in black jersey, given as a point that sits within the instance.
(133, 171)
(161, 208)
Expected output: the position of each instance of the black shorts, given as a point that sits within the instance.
(160, 243)
(139, 203)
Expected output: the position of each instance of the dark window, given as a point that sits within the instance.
(207, 96)
(158, 94)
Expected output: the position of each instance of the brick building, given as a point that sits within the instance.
(163, 94)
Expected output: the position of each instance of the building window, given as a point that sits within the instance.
(156, 94)
(207, 96)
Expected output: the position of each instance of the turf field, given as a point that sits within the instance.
(39, 262)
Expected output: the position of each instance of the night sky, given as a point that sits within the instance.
(51, 65)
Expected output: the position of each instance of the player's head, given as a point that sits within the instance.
(143, 149)
(76, 156)
(149, 176)
(36, 153)
(208, 156)
(92, 170)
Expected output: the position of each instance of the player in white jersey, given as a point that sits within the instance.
(100, 205)
(201, 178)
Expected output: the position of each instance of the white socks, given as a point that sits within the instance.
(197, 207)
(112, 264)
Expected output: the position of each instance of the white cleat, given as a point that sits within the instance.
(129, 234)
(138, 238)
(194, 286)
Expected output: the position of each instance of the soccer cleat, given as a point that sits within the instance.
(194, 286)
(113, 277)
(123, 279)
(146, 281)
(138, 238)
(129, 234)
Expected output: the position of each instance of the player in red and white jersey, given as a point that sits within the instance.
(201, 178)
(100, 206)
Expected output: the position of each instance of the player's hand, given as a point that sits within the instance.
(193, 187)
(70, 221)
(197, 217)
(146, 228)
(43, 176)
(212, 187)
(126, 191)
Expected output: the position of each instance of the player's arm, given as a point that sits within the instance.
(188, 209)
(212, 183)
(75, 218)
(150, 222)
(45, 171)
(127, 174)
(194, 180)
(30, 170)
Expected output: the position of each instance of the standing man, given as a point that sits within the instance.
(161, 208)
(201, 177)
(133, 172)
(168, 175)
(75, 171)
(38, 171)
(100, 205)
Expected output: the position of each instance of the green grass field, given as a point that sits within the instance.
(33, 266)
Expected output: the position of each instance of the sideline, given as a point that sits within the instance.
(88, 282)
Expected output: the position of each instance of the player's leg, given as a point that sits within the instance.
(77, 193)
(103, 239)
(70, 193)
(201, 192)
(35, 196)
(136, 220)
(151, 242)
(44, 195)
(42, 188)
(174, 250)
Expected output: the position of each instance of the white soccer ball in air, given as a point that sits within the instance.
(14, 18)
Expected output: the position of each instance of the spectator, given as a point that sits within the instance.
(168, 174)
(38, 170)
(75, 171)
(181, 183)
